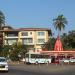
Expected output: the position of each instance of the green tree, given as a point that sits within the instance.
(65, 41)
(18, 50)
(2, 23)
(49, 45)
(15, 52)
(2, 19)
(6, 51)
(68, 40)
(71, 39)
(59, 23)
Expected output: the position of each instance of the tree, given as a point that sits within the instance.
(18, 50)
(59, 23)
(6, 51)
(65, 41)
(1, 40)
(2, 19)
(2, 23)
(68, 40)
(49, 45)
(71, 39)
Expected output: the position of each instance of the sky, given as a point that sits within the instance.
(38, 13)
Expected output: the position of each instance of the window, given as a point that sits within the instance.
(39, 56)
(41, 40)
(12, 35)
(24, 33)
(10, 42)
(2, 60)
(27, 40)
(30, 33)
(41, 33)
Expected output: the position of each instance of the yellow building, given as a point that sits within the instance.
(33, 37)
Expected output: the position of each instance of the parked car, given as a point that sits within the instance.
(3, 64)
(65, 60)
(72, 60)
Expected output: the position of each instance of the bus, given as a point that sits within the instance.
(37, 58)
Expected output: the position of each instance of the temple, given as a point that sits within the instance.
(58, 45)
(59, 52)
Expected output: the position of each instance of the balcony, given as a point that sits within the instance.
(11, 37)
(28, 43)
(26, 37)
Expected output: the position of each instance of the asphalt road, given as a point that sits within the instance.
(22, 69)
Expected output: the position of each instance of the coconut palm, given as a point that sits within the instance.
(59, 23)
(2, 19)
(2, 23)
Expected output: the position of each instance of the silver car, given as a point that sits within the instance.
(3, 64)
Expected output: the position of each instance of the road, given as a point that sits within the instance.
(22, 69)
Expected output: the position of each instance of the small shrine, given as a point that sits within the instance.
(59, 52)
(58, 45)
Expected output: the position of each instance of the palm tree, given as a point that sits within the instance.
(2, 19)
(59, 23)
(2, 23)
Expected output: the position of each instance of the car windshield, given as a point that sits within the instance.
(2, 60)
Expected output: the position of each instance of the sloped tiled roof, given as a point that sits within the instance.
(30, 29)
(27, 29)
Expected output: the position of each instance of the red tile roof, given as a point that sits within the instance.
(30, 29)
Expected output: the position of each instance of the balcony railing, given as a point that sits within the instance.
(11, 36)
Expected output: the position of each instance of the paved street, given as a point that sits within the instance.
(22, 69)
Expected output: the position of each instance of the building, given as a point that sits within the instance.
(33, 37)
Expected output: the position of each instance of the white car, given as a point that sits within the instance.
(3, 64)
(72, 60)
(65, 60)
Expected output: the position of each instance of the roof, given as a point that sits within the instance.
(7, 27)
(30, 29)
(27, 29)
(58, 52)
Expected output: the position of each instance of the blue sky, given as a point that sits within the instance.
(38, 13)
